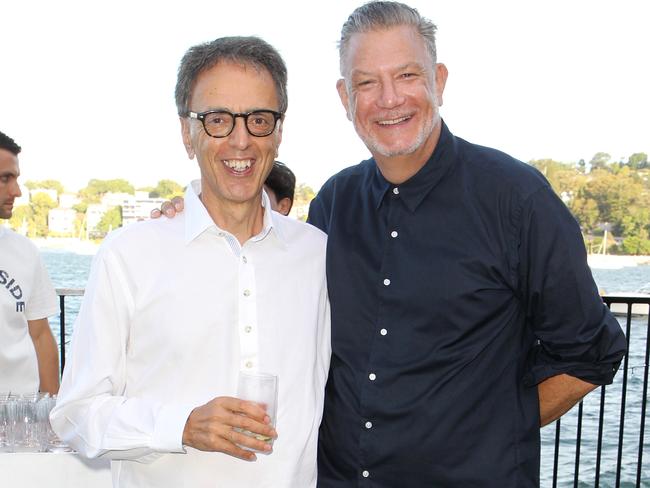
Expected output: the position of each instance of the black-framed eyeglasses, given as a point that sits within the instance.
(220, 123)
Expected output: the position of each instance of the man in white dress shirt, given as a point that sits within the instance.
(174, 309)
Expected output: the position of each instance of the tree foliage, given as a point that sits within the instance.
(600, 160)
(303, 195)
(616, 194)
(46, 184)
(638, 161)
(96, 189)
(112, 219)
(166, 189)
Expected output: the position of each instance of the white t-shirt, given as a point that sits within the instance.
(173, 310)
(26, 293)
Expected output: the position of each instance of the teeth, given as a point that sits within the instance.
(238, 164)
(393, 121)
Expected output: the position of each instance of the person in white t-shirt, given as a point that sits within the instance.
(175, 309)
(29, 360)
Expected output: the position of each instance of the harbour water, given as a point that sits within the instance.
(70, 270)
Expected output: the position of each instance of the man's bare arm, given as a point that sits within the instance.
(558, 394)
(46, 355)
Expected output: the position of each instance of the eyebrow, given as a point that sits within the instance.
(412, 64)
(224, 109)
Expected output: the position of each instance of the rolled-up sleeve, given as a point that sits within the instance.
(576, 332)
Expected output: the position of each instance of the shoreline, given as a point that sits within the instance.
(600, 261)
(71, 244)
(616, 261)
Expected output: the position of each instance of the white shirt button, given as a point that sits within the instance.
(372, 376)
(386, 282)
(249, 364)
(368, 425)
(396, 191)
(221, 234)
(247, 329)
(243, 258)
(394, 234)
(383, 332)
(365, 474)
(247, 293)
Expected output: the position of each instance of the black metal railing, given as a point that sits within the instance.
(602, 441)
(592, 436)
(63, 338)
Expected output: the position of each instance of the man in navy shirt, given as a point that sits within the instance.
(464, 315)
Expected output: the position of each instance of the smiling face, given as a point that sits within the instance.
(233, 168)
(392, 92)
(9, 189)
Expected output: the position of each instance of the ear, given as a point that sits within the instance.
(441, 81)
(343, 95)
(284, 206)
(187, 138)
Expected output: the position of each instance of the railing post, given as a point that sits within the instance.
(644, 402)
(62, 330)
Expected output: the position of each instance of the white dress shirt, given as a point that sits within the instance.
(26, 293)
(173, 310)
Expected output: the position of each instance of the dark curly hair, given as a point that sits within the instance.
(9, 144)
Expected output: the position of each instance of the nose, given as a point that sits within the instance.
(390, 95)
(239, 137)
(14, 189)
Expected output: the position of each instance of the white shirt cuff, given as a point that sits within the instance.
(168, 433)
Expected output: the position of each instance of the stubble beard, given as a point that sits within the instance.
(376, 147)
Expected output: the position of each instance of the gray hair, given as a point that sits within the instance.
(383, 15)
(243, 50)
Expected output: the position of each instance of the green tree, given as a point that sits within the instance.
(96, 189)
(562, 177)
(301, 198)
(41, 204)
(22, 215)
(112, 219)
(166, 189)
(585, 210)
(46, 184)
(638, 161)
(600, 160)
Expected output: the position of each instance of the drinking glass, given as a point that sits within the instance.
(7, 423)
(25, 422)
(261, 388)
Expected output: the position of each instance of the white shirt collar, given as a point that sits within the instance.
(198, 219)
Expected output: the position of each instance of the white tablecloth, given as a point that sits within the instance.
(53, 470)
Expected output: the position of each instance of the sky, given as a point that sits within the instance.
(86, 88)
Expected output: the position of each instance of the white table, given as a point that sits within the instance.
(53, 470)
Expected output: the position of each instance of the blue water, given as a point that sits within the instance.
(69, 270)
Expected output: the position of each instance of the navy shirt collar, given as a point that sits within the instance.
(416, 188)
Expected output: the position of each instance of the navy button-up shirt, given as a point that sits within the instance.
(453, 295)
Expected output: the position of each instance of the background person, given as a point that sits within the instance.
(175, 309)
(280, 185)
(29, 360)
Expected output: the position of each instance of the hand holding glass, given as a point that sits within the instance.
(261, 388)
